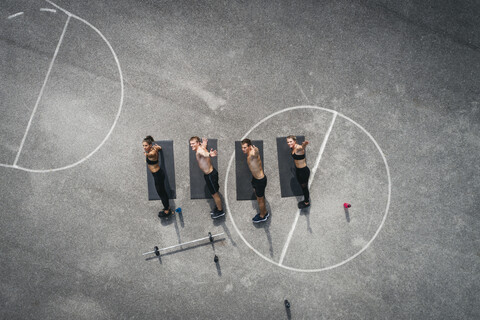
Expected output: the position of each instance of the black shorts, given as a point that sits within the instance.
(211, 180)
(259, 185)
(302, 174)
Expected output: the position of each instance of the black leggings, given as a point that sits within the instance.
(159, 178)
(302, 176)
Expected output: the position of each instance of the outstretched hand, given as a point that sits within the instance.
(213, 153)
(204, 142)
(304, 144)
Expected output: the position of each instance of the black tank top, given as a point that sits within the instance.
(151, 161)
(298, 156)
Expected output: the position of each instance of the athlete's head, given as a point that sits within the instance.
(147, 143)
(194, 142)
(291, 141)
(246, 144)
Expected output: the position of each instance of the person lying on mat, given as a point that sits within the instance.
(302, 171)
(151, 157)
(259, 179)
(209, 172)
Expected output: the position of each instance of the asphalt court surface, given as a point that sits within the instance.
(386, 96)
(336, 236)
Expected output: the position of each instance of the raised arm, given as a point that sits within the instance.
(204, 143)
(203, 152)
(153, 151)
(303, 146)
(255, 151)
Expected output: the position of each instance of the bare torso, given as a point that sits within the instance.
(255, 163)
(204, 162)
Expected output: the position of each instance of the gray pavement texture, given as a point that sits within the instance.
(405, 71)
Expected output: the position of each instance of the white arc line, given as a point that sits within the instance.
(48, 10)
(41, 90)
(314, 170)
(15, 15)
(348, 259)
(322, 148)
(117, 116)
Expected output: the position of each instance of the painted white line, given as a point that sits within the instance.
(15, 15)
(41, 90)
(119, 107)
(61, 9)
(303, 93)
(314, 170)
(289, 238)
(48, 10)
(389, 194)
(322, 148)
(8, 166)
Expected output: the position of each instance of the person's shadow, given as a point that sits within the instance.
(306, 213)
(266, 224)
(216, 259)
(221, 221)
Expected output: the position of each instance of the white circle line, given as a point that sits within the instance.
(116, 117)
(351, 257)
(42, 89)
(15, 15)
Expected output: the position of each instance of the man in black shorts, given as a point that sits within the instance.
(210, 173)
(259, 179)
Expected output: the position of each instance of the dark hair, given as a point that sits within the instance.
(292, 137)
(148, 139)
(194, 138)
(247, 141)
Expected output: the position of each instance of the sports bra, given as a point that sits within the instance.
(298, 156)
(151, 161)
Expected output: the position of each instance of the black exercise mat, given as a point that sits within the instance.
(242, 172)
(167, 164)
(198, 187)
(289, 185)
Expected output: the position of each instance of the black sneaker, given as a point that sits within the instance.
(213, 211)
(258, 219)
(217, 213)
(163, 214)
(303, 205)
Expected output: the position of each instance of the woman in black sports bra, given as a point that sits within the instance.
(302, 171)
(151, 157)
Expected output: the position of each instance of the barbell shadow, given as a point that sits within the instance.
(216, 259)
(287, 309)
(219, 270)
(155, 257)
